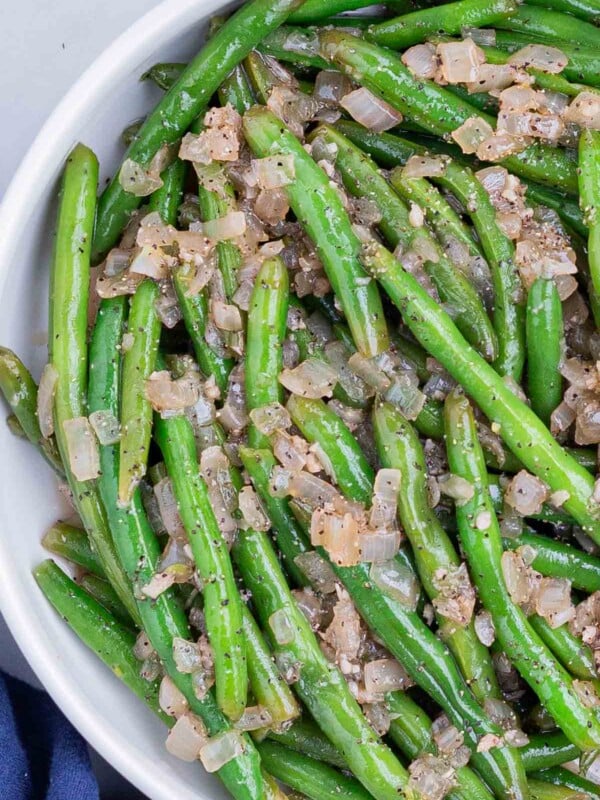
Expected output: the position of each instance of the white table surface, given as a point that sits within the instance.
(44, 47)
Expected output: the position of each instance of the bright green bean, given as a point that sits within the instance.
(180, 106)
(399, 448)
(164, 74)
(309, 776)
(544, 348)
(541, 790)
(73, 544)
(222, 603)
(319, 209)
(317, 10)
(136, 412)
(362, 179)
(588, 10)
(546, 750)
(229, 259)
(98, 630)
(522, 431)
(560, 560)
(402, 32)
(20, 392)
(103, 592)
(433, 107)
(169, 197)
(589, 197)
(575, 656)
(67, 338)
(320, 685)
(547, 25)
(535, 663)
(267, 323)
(305, 737)
(564, 777)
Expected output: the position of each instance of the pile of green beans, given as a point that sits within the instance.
(429, 354)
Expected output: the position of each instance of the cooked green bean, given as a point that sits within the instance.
(546, 25)
(319, 209)
(575, 656)
(541, 790)
(564, 777)
(589, 197)
(317, 10)
(73, 544)
(433, 107)
(98, 630)
(222, 603)
(537, 666)
(362, 179)
(522, 431)
(399, 448)
(168, 198)
(547, 750)
(20, 392)
(305, 737)
(267, 323)
(136, 412)
(588, 10)
(164, 74)
(68, 352)
(320, 685)
(215, 204)
(309, 776)
(544, 348)
(560, 560)
(509, 311)
(449, 18)
(103, 592)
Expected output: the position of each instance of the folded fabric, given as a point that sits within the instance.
(42, 757)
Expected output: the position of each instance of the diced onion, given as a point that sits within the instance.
(166, 394)
(431, 778)
(472, 133)
(271, 418)
(254, 718)
(553, 601)
(282, 627)
(215, 468)
(456, 487)
(220, 750)
(45, 400)
(312, 378)
(421, 60)
(116, 261)
(379, 545)
(273, 172)
(396, 581)
(187, 656)
(251, 510)
(456, 598)
(317, 570)
(82, 447)
(584, 110)
(170, 699)
(492, 78)
(134, 179)
(106, 427)
(526, 493)
(459, 61)
(187, 737)
(124, 283)
(226, 317)
(385, 675)
(424, 167)
(169, 512)
(331, 86)
(230, 226)
(541, 56)
(484, 628)
(142, 649)
(372, 112)
(486, 37)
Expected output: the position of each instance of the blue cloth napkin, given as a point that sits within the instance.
(42, 757)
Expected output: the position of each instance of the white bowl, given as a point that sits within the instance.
(106, 98)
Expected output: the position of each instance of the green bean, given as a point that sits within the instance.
(450, 18)
(320, 685)
(215, 204)
(560, 560)
(69, 288)
(564, 777)
(411, 731)
(305, 737)
(309, 776)
(588, 10)
(547, 750)
(362, 179)
(546, 25)
(73, 544)
(222, 604)
(589, 197)
(432, 107)
(566, 207)
(549, 680)
(268, 686)
(291, 539)
(509, 311)
(168, 198)
(180, 106)
(575, 656)
(20, 392)
(583, 60)
(103, 592)
(236, 91)
(402, 631)
(522, 431)
(267, 321)
(319, 209)
(317, 10)
(164, 74)
(194, 308)
(111, 641)
(547, 513)
(136, 412)
(399, 448)
(541, 790)
(544, 348)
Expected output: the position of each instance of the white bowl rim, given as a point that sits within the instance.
(43, 155)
